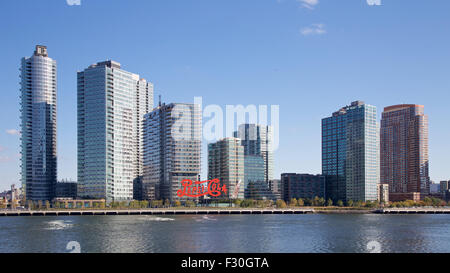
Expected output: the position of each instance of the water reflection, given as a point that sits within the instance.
(233, 233)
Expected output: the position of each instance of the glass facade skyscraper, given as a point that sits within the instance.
(111, 107)
(38, 116)
(254, 169)
(257, 141)
(226, 163)
(172, 149)
(350, 153)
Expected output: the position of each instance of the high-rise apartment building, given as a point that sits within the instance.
(254, 169)
(38, 115)
(172, 149)
(111, 107)
(404, 150)
(444, 186)
(350, 153)
(226, 163)
(257, 141)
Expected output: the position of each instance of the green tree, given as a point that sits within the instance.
(300, 202)
(268, 203)
(329, 203)
(30, 205)
(260, 203)
(143, 204)
(47, 204)
(321, 202)
(281, 204)
(123, 204)
(340, 203)
(189, 204)
(167, 203)
(427, 201)
(248, 203)
(370, 204)
(154, 203)
(177, 204)
(350, 203)
(316, 201)
(308, 202)
(293, 202)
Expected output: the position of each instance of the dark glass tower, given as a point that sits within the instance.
(350, 155)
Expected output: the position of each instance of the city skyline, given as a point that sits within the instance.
(362, 76)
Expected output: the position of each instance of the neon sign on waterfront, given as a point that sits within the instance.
(201, 188)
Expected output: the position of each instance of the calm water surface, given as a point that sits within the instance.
(234, 233)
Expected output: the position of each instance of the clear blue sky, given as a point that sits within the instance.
(310, 57)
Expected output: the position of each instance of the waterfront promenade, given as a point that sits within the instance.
(445, 210)
(152, 212)
(221, 211)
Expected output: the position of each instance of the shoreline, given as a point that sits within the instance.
(219, 211)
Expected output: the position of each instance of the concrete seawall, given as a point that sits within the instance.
(413, 211)
(155, 212)
(220, 211)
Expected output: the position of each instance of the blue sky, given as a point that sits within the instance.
(310, 57)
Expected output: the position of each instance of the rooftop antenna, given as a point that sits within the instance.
(159, 100)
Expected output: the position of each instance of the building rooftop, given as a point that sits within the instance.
(109, 63)
(401, 107)
(41, 51)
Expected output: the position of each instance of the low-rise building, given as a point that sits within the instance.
(259, 190)
(397, 197)
(275, 188)
(66, 189)
(444, 186)
(383, 193)
(305, 186)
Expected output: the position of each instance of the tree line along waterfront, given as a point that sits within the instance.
(317, 202)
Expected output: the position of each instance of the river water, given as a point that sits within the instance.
(317, 233)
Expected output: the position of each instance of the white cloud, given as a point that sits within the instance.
(309, 4)
(374, 2)
(316, 29)
(13, 132)
(4, 159)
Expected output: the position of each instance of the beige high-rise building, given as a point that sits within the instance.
(172, 150)
(226, 163)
